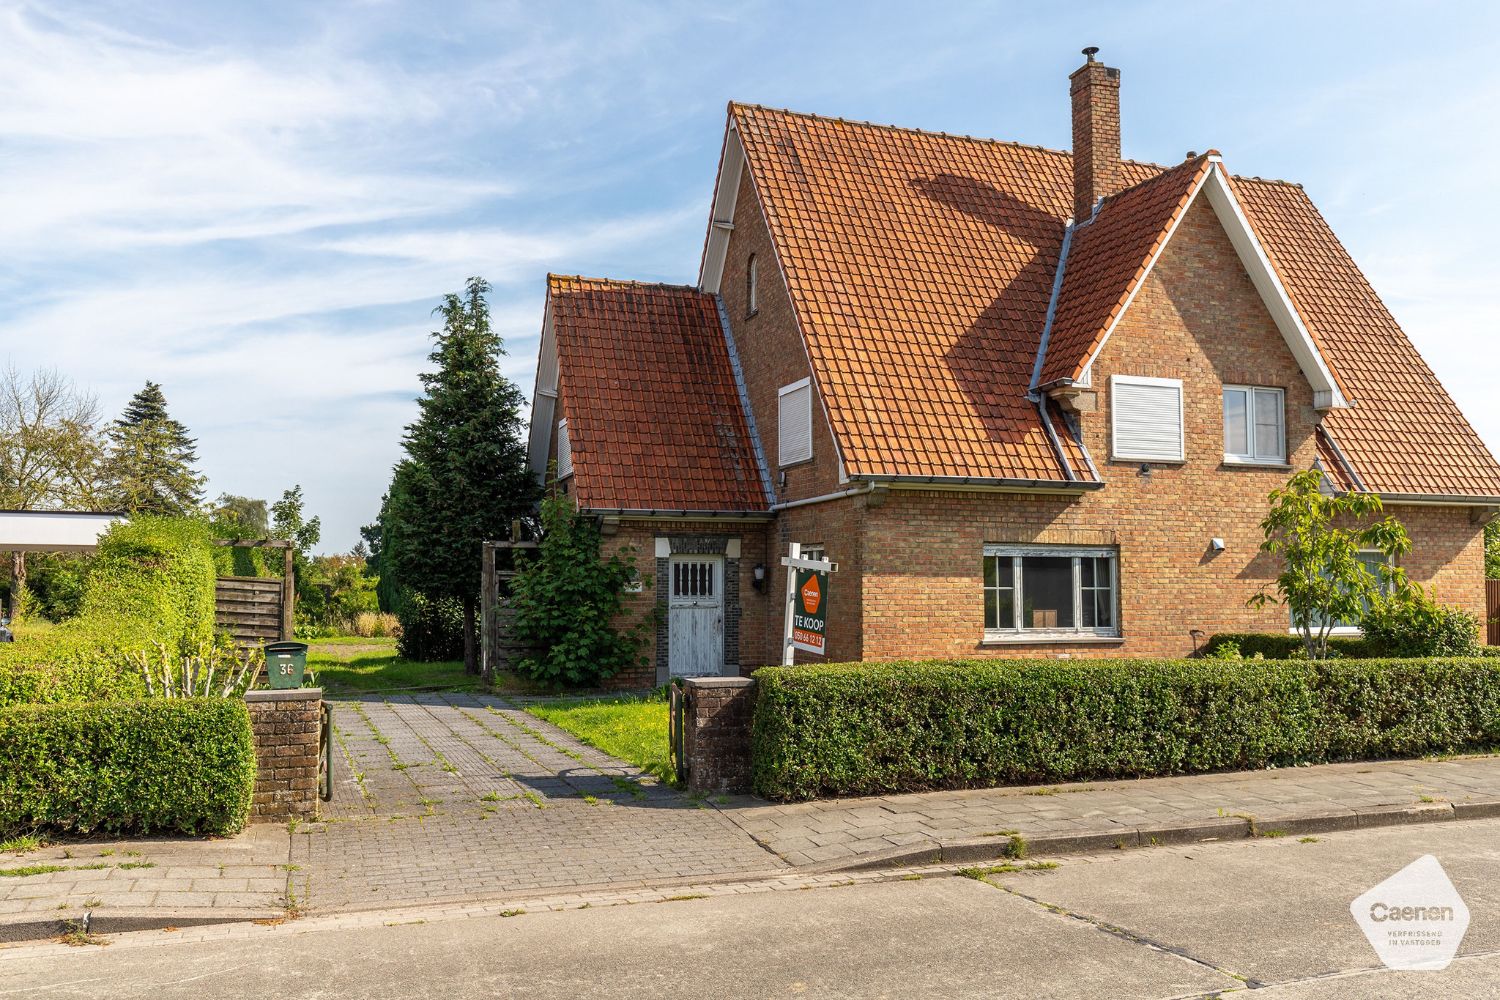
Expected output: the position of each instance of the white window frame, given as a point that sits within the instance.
(564, 451)
(1251, 457)
(1346, 630)
(1114, 418)
(782, 458)
(1078, 633)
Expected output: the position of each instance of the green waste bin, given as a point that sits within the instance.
(285, 663)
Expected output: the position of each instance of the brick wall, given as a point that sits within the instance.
(285, 724)
(716, 733)
(1199, 319)
(746, 609)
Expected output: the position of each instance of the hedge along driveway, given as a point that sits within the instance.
(165, 765)
(866, 729)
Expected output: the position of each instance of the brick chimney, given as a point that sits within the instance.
(1096, 133)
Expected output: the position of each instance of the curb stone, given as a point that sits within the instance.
(1228, 828)
(36, 927)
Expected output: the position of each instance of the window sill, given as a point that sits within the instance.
(1127, 460)
(1343, 631)
(1051, 639)
(1240, 463)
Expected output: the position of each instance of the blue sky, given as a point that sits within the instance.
(258, 205)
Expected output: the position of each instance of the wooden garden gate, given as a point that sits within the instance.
(497, 649)
(257, 609)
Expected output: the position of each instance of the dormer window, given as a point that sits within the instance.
(752, 299)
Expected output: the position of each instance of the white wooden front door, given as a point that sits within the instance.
(695, 616)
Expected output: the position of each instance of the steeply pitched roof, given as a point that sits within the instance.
(1404, 434)
(654, 414)
(920, 266)
(1108, 257)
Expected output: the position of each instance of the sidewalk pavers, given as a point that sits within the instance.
(458, 799)
(960, 825)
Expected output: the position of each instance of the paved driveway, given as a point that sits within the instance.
(442, 797)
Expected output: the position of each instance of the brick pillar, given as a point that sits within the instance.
(286, 726)
(716, 733)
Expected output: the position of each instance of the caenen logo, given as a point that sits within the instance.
(1414, 919)
(812, 595)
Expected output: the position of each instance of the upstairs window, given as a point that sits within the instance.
(794, 423)
(1147, 418)
(1254, 425)
(564, 451)
(1045, 592)
(752, 297)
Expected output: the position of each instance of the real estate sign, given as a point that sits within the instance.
(810, 609)
(806, 603)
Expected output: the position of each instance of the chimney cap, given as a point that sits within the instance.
(1091, 52)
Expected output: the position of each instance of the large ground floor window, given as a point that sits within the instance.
(1041, 592)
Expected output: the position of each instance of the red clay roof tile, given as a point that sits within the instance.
(654, 416)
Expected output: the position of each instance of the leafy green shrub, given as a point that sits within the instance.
(1275, 646)
(869, 729)
(1419, 626)
(430, 630)
(150, 766)
(151, 584)
(568, 600)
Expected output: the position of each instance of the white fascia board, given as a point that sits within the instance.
(721, 218)
(53, 531)
(543, 400)
(1253, 256)
(1263, 276)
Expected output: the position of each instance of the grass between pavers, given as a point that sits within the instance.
(632, 728)
(357, 665)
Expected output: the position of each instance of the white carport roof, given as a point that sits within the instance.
(52, 530)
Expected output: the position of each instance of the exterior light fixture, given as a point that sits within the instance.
(758, 576)
(1216, 544)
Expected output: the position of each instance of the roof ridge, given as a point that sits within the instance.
(908, 129)
(626, 282)
(989, 141)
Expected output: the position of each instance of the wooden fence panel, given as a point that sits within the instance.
(1492, 611)
(251, 609)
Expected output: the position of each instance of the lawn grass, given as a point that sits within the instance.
(367, 666)
(357, 665)
(633, 729)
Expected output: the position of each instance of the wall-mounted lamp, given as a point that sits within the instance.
(1216, 544)
(1144, 471)
(758, 577)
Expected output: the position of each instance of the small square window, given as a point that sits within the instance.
(1146, 418)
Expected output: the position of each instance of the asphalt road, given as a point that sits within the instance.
(1212, 919)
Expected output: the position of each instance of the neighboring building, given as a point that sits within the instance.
(1031, 403)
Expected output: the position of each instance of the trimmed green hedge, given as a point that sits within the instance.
(148, 766)
(152, 581)
(869, 729)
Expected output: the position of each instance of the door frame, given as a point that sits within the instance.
(725, 545)
(715, 602)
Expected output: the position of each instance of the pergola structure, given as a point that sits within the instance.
(53, 530)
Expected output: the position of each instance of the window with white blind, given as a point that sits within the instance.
(1050, 592)
(564, 450)
(794, 423)
(1146, 415)
(1254, 425)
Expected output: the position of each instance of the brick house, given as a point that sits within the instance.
(1030, 402)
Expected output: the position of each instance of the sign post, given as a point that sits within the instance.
(806, 603)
